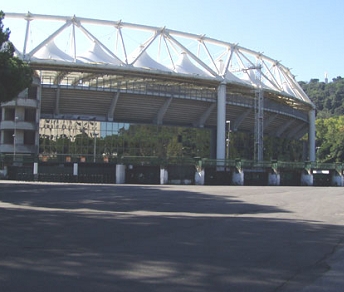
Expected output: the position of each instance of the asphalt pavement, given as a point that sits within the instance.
(88, 237)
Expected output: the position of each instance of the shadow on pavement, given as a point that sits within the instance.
(145, 238)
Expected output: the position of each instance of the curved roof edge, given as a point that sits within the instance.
(177, 52)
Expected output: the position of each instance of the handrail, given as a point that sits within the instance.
(8, 159)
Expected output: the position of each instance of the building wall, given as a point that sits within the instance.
(19, 122)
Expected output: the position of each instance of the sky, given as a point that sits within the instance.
(306, 36)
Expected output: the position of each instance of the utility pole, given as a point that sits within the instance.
(258, 114)
(95, 146)
(259, 118)
(228, 124)
(15, 139)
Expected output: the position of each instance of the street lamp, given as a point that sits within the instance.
(228, 124)
(15, 138)
(95, 146)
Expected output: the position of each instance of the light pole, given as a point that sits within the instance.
(15, 138)
(95, 146)
(258, 114)
(228, 124)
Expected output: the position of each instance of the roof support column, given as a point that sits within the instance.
(57, 101)
(162, 111)
(221, 122)
(311, 135)
(112, 107)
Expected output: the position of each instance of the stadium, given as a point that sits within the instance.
(116, 72)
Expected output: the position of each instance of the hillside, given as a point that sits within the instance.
(327, 97)
(329, 101)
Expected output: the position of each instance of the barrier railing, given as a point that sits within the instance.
(10, 159)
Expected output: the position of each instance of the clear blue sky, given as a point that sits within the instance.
(305, 35)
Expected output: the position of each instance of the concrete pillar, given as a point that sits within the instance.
(120, 174)
(35, 170)
(75, 171)
(238, 177)
(4, 172)
(221, 122)
(38, 113)
(337, 179)
(311, 135)
(163, 176)
(274, 179)
(306, 178)
(199, 177)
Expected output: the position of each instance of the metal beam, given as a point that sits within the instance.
(240, 119)
(112, 108)
(301, 132)
(162, 111)
(291, 134)
(269, 120)
(57, 101)
(283, 128)
(203, 118)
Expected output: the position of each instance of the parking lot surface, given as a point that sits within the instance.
(82, 237)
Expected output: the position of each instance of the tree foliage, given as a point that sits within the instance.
(330, 139)
(164, 141)
(15, 75)
(329, 101)
(327, 97)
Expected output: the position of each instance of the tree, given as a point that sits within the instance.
(330, 139)
(327, 97)
(15, 75)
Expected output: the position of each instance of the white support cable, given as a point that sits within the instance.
(28, 21)
(173, 45)
(298, 92)
(116, 43)
(96, 40)
(123, 45)
(278, 76)
(228, 61)
(289, 82)
(74, 42)
(168, 49)
(209, 55)
(249, 62)
(48, 39)
(200, 62)
(145, 46)
(159, 48)
(199, 49)
(273, 82)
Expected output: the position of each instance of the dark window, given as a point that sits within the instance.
(9, 114)
(8, 137)
(30, 115)
(32, 92)
(29, 138)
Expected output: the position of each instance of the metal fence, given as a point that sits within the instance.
(146, 170)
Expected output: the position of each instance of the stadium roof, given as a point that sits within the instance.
(116, 45)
